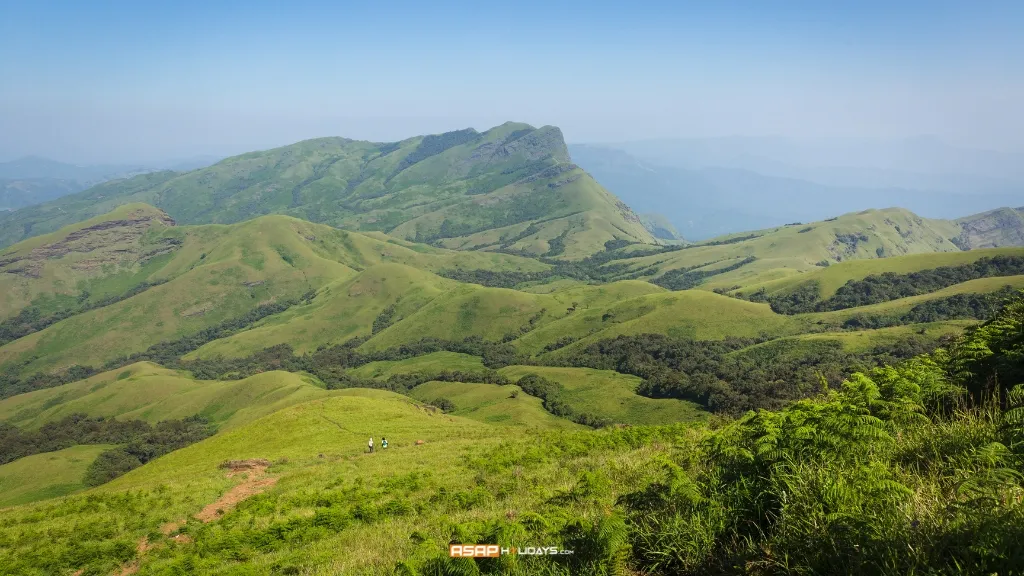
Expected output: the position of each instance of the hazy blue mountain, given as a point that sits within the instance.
(20, 192)
(708, 201)
(39, 167)
(909, 162)
(33, 180)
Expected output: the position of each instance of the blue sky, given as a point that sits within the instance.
(134, 81)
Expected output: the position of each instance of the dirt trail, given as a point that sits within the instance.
(252, 484)
(131, 567)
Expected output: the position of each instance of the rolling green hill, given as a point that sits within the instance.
(603, 393)
(492, 404)
(759, 256)
(150, 393)
(103, 256)
(74, 208)
(511, 187)
(123, 282)
(208, 275)
(611, 395)
(830, 278)
(47, 475)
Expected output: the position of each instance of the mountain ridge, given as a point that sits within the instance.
(512, 187)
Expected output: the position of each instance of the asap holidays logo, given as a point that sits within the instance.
(494, 551)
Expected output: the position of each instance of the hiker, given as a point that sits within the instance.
(371, 444)
(384, 443)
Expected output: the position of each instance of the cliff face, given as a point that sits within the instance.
(993, 229)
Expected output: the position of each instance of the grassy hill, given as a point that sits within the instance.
(102, 256)
(296, 491)
(979, 286)
(611, 395)
(763, 255)
(603, 393)
(214, 273)
(147, 392)
(312, 286)
(688, 314)
(512, 187)
(410, 495)
(492, 404)
(831, 278)
(74, 208)
(47, 475)
(427, 364)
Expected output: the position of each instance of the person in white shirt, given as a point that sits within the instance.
(371, 444)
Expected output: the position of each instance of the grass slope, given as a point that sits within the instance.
(864, 340)
(218, 273)
(688, 314)
(492, 404)
(104, 256)
(340, 311)
(426, 364)
(603, 393)
(148, 392)
(66, 211)
(788, 250)
(447, 186)
(46, 475)
(833, 277)
(410, 495)
(978, 286)
(611, 395)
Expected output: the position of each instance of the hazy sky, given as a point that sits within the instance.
(103, 81)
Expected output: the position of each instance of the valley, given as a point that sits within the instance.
(191, 364)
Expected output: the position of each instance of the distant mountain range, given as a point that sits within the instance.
(34, 180)
(713, 187)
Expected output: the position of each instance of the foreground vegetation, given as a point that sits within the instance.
(910, 468)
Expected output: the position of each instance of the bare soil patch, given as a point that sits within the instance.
(252, 483)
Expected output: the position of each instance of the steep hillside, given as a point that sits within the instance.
(1001, 227)
(512, 187)
(660, 227)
